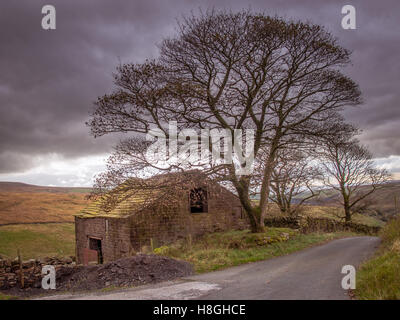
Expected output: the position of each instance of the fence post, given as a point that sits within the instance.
(152, 244)
(21, 275)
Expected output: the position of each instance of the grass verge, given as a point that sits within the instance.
(37, 240)
(7, 297)
(378, 278)
(226, 249)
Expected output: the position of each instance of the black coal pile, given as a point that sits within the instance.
(132, 271)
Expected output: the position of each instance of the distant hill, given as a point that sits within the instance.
(25, 203)
(24, 187)
(383, 203)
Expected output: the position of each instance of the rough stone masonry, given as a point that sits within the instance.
(31, 270)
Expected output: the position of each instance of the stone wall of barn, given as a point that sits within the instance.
(114, 234)
(166, 224)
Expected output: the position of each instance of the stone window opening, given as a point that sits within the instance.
(198, 200)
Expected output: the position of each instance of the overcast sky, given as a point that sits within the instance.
(50, 78)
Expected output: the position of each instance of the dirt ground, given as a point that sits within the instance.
(126, 272)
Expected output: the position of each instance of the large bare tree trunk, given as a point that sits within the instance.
(347, 211)
(253, 215)
(265, 189)
(266, 181)
(346, 203)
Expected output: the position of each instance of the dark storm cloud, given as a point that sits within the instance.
(49, 79)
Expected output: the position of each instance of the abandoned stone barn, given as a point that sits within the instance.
(152, 214)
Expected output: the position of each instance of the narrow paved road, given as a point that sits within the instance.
(313, 273)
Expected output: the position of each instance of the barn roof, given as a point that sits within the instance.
(124, 204)
(133, 196)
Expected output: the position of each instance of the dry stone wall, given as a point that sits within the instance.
(10, 271)
(310, 224)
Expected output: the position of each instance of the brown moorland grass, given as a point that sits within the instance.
(34, 207)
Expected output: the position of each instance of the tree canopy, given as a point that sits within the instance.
(224, 70)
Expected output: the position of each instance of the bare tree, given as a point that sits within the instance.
(350, 169)
(293, 181)
(230, 71)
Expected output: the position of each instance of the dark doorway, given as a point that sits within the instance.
(95, 244)
(198, 200)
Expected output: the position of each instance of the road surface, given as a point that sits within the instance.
(313, 273)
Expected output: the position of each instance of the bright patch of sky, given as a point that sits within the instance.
(391, 163)
(54, 170)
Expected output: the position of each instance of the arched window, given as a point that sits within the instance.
(198, 200)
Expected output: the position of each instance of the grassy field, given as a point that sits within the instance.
(225, 249)
(379, 278)
(37, 240)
